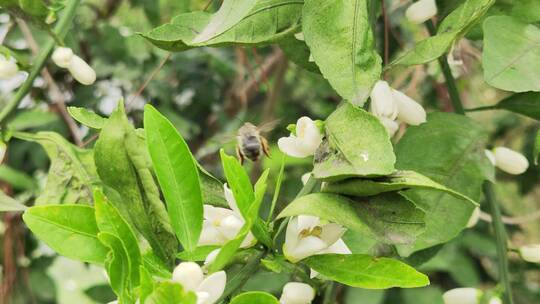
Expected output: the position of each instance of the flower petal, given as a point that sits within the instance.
(306, 247)
(307, 222)
(421, 11)
(189, 274)
(293, 147)
(229, 197)
(382, 101)
(214, 285)
(331, 233)
(409, 111)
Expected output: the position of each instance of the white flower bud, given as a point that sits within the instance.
(297, 293)
(211, 257)
(530, 253)
(307, 139)
(189, 274)
(490, 156)
(421, 11)
(475, 216)
(62, 57)
(390, 125)
(462, 296)
(81, 71)
(510, 161)
(8, 68)
(383, 103)
(409, 111)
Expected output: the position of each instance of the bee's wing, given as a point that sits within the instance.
(268, 126)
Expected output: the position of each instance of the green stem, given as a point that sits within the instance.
(60, 30)
(484, 108)
(329, 293)
(500, 236)
(277, 190)
(450, 83)
(240, 278)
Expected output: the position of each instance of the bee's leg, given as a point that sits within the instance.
(240, 156)
(265, 148)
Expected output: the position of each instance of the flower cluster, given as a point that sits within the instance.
(79, 69)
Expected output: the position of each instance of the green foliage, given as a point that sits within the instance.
(527, 103)
(364, 271)
(70, 230)
(87, 117)
(178, 177)
(170, 293)
(511, 56)
(7, 203)
(118, 267)
(254, 297)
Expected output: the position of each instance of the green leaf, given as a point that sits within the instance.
(70, 230)
(398, 180)
(245, 197)
(118, 268)
(228, 250)
(298, 52)
(252, 297)
(32, 118)
(199, 254)
(17, 179)
(389, 217)
(212, 189)
(364, 271)
(110, 221)
(511, 56)
(147, 285)
(87, 117)
(341, 41)
(155, 266)
(527, 103)
(9, 204)
(449, 149)
(454, 26)
(536, 151)
(356, 145)
(170, 293)
(71, 173)
(178, 177)
(128, 191)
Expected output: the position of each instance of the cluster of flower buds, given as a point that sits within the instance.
(421, 11)
(79, 69)
(304, 142)
(391, 106)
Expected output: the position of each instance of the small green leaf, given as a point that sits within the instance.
(17, 179)
(356, 145)
(199, 254)
(341, 41)
(511, 56)
(364, 271)
(253, 297)
(147, 285)
(298, 52)
(7, 203)
(70, 230)
(170, 293)
(527, 103)
(87, 117)
(118, 268)
(178, 177)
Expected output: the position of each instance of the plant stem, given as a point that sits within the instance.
(500, 236)
(329, 293)
(60, 30)
(277, 190)
(484, 108)
(450, 83)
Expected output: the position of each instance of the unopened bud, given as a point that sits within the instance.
(421, 11)
(62, 57)
(297, 293)
(81, 71)
(8, 68)
(462, 296)
(530, 253)
(510, 161)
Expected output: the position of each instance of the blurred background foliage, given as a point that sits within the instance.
(208, 93)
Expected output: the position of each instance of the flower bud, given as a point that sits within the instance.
(409, 111)
(8, 68)
(462, 296)
(475, 216)
(510, 161)
(490, 156)
(382, 101)
(189, 274)
(297, 293)
(307, 139)
(530, 253)
(390, 125)
(421, 11)
(81, 71)
(62, 57)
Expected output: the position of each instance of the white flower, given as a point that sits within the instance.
(383, 103)
(307, 139)
(221, 225)
(409, 111)
(62, 57)
(462, 296)
(208, 289)
(510, 161)
(297, 293)
(306, 236)
(421, 11)
(475, 216)
(8, 67)
(81, 71)
(390, 125)
(530, 253)
(495, 300)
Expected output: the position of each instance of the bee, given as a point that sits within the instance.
(250, 143)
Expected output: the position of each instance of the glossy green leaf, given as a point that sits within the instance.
(147, 285)
(252, 297)
(31, 118)
(511, 56)
(364, 271)
(87, 117)
(454, 26)
(212, 189)
(389, 217)
(9, 204)
(178, 177)
(125, 188)
(155, 266)
(398, 180)
(110, 221)
(118, 267)
(245, 197)
(71, 173)
(199, 254)
(170, 293)
(298, 52)
(70, 230)
(527, 103)
(451, 154)
(356, 145)
(16, 179)
(341, 41)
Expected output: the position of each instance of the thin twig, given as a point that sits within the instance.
(386, 40)
(517, 220)
(147, 81)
